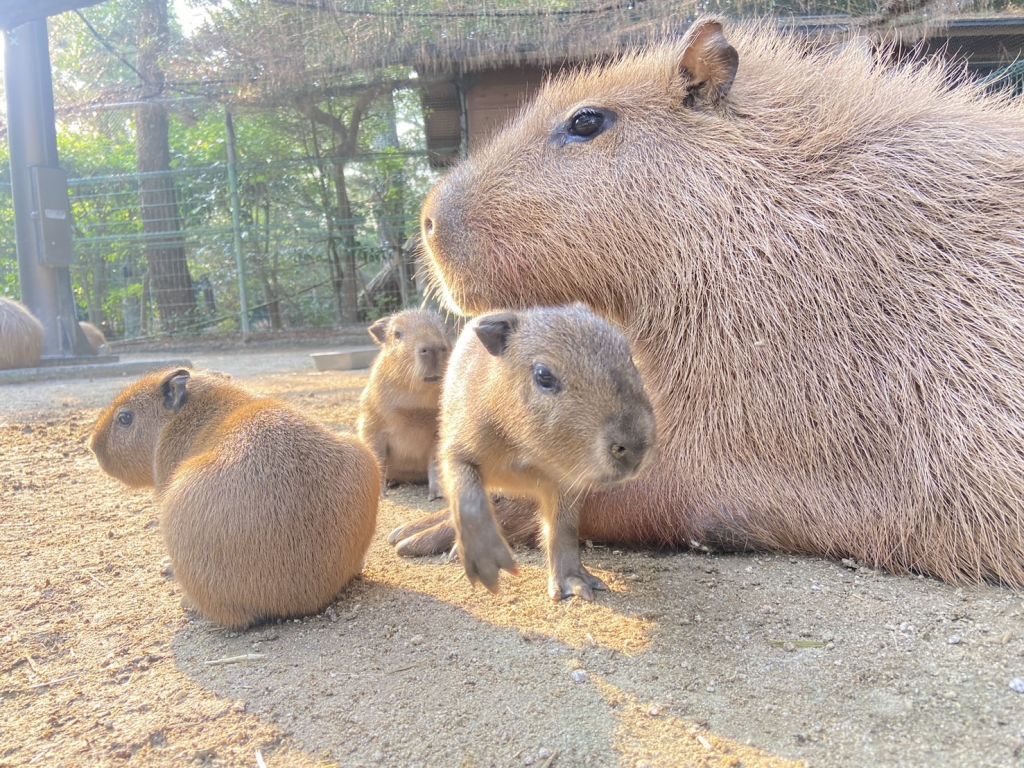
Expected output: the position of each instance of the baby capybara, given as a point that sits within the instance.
(265, 513)
(96, 338)
(21, 336)
(399, 407)
(819, 260)
(543, 404)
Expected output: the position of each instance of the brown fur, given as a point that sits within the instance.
(399, 407)
(820, 264)
(503, 432)
(97, 341)
(21, 336)
(265, 514)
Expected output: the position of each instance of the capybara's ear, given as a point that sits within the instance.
(175, 389)
(494, 330)
(379, 330)
(708, 64)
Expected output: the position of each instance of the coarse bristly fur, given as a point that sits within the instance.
(21, 336)
(398, 410)
(265, 513)
(820, 265)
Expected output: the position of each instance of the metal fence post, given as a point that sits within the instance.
(243, 298)
(39, 188)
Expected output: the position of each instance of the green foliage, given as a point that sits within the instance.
(289, 224)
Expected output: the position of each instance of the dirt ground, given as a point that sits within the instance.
(691, 659)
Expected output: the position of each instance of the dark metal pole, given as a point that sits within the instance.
(42, 215)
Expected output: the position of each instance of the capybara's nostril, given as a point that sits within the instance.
(628, 455)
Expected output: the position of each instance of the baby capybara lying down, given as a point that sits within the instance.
(819, 261)
(265, 514)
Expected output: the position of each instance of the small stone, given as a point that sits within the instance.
(543, 753)
(954, 639)
(580, 676)
(378, 756)
(416, 639)
(528, 760)
(166, 569)
(827, 637)
(789, 647)
(654, 710)
(710, 688)
(1017, 685)
(849, 563)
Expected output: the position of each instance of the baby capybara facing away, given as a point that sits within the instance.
(21, 336)
(265, 514)
(544, 404)
(96, 338)
(399, 407)
(819, 261)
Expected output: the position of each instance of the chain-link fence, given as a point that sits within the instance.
(300, 239)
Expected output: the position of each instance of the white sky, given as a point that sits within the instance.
(190, 18)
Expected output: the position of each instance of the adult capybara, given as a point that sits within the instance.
(97, 340)
(399, 407)
(21, 336)
(265, 514)
(819, 260)
(544, 404)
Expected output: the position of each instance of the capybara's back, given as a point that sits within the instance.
(265, 513)
(820, 261)
(96, 338)
(21, 336)
(272, 495)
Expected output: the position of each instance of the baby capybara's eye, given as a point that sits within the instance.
(124, 418)
(586, 123)
(545, 380)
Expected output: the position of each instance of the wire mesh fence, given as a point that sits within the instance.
(310, 240)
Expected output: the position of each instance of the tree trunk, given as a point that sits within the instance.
(169, 280)
(350, 266)
(391, 204)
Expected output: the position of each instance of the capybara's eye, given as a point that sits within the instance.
(545, 380)
(586, 123)
(398, 335)
(124, 418)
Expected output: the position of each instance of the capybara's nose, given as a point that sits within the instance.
(628, 455)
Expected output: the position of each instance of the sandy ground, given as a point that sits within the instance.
(691, 659)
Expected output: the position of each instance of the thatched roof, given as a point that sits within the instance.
(293, 45)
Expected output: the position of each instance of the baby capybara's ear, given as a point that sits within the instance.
(175, 389)
(708, 64)
(494, 330)
(379, 330)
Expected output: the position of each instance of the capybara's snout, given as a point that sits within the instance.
(629, 442)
